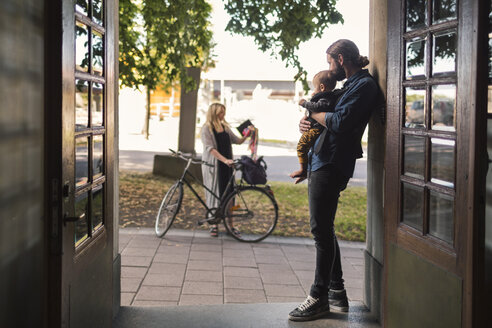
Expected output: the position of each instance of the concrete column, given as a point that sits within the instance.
(374, 261)
(187, 116)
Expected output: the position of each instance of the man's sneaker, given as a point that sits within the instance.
(311, 309)
(338, 300)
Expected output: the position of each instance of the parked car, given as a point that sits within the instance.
(443, 112)
(415, 116)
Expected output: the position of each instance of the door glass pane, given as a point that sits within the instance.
(414, 108)
(488, 184)
(97, 104)
(490, 58)
(81, 161)
(82, 6)
(444, 10)
(97, 53)
(444, 107)
(81, 104)
(488, 194)
(97, 207)
(81, 47)
(81, 209)
(441, 216)
(444, 52)
(490, 16)
(488, 210)
(490, 42)
(97, 156)
(489, 106)
(414, 156)
(416, 14)
(415, 55)
(442, 162)
(97, 11)
(413, 200)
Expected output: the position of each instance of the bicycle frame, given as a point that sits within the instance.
(229, 187)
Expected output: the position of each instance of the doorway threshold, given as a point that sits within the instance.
(271, 315)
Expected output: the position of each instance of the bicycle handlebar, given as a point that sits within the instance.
(188, 157)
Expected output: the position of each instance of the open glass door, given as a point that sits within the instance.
(89, 128)
(430, 183)
(88, 135)
(83, 163)
(428, 126)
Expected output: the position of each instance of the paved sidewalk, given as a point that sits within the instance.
(191, 268)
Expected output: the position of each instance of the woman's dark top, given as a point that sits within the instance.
(225, 148)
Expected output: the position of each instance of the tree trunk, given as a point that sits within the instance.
(147, 116)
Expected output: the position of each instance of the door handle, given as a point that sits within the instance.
(67, 218)
(66, 191)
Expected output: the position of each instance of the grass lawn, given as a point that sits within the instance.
(141, 194)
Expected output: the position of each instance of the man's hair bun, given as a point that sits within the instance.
(363, 61)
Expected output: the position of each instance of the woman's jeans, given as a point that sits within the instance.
(324, 189)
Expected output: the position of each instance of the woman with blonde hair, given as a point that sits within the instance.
(217, 138)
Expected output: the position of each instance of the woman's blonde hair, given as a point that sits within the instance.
(212, 116)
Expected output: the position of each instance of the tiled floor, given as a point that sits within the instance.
(191, 268)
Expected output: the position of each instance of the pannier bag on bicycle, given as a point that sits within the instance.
(254, 172)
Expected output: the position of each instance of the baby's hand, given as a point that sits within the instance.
(302, 101)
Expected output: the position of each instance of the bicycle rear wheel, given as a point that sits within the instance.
(169, 208)
(250, 214)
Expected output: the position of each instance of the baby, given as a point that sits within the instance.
(324, 99)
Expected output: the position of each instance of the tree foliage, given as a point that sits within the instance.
(160, 38)
(280, 26)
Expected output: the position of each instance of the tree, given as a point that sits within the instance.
(280, 26)
(159, 39)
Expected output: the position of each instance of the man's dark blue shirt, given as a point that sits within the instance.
(345, 126)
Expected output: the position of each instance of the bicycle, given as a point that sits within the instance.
(249, 212)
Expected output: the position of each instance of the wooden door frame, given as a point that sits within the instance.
(59, 158)
(53, 163)
(470, 172)
(479, 302)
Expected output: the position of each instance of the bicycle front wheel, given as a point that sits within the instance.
(169, 208)
(250, 214)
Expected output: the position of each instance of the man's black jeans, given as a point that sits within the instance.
(324, 189)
